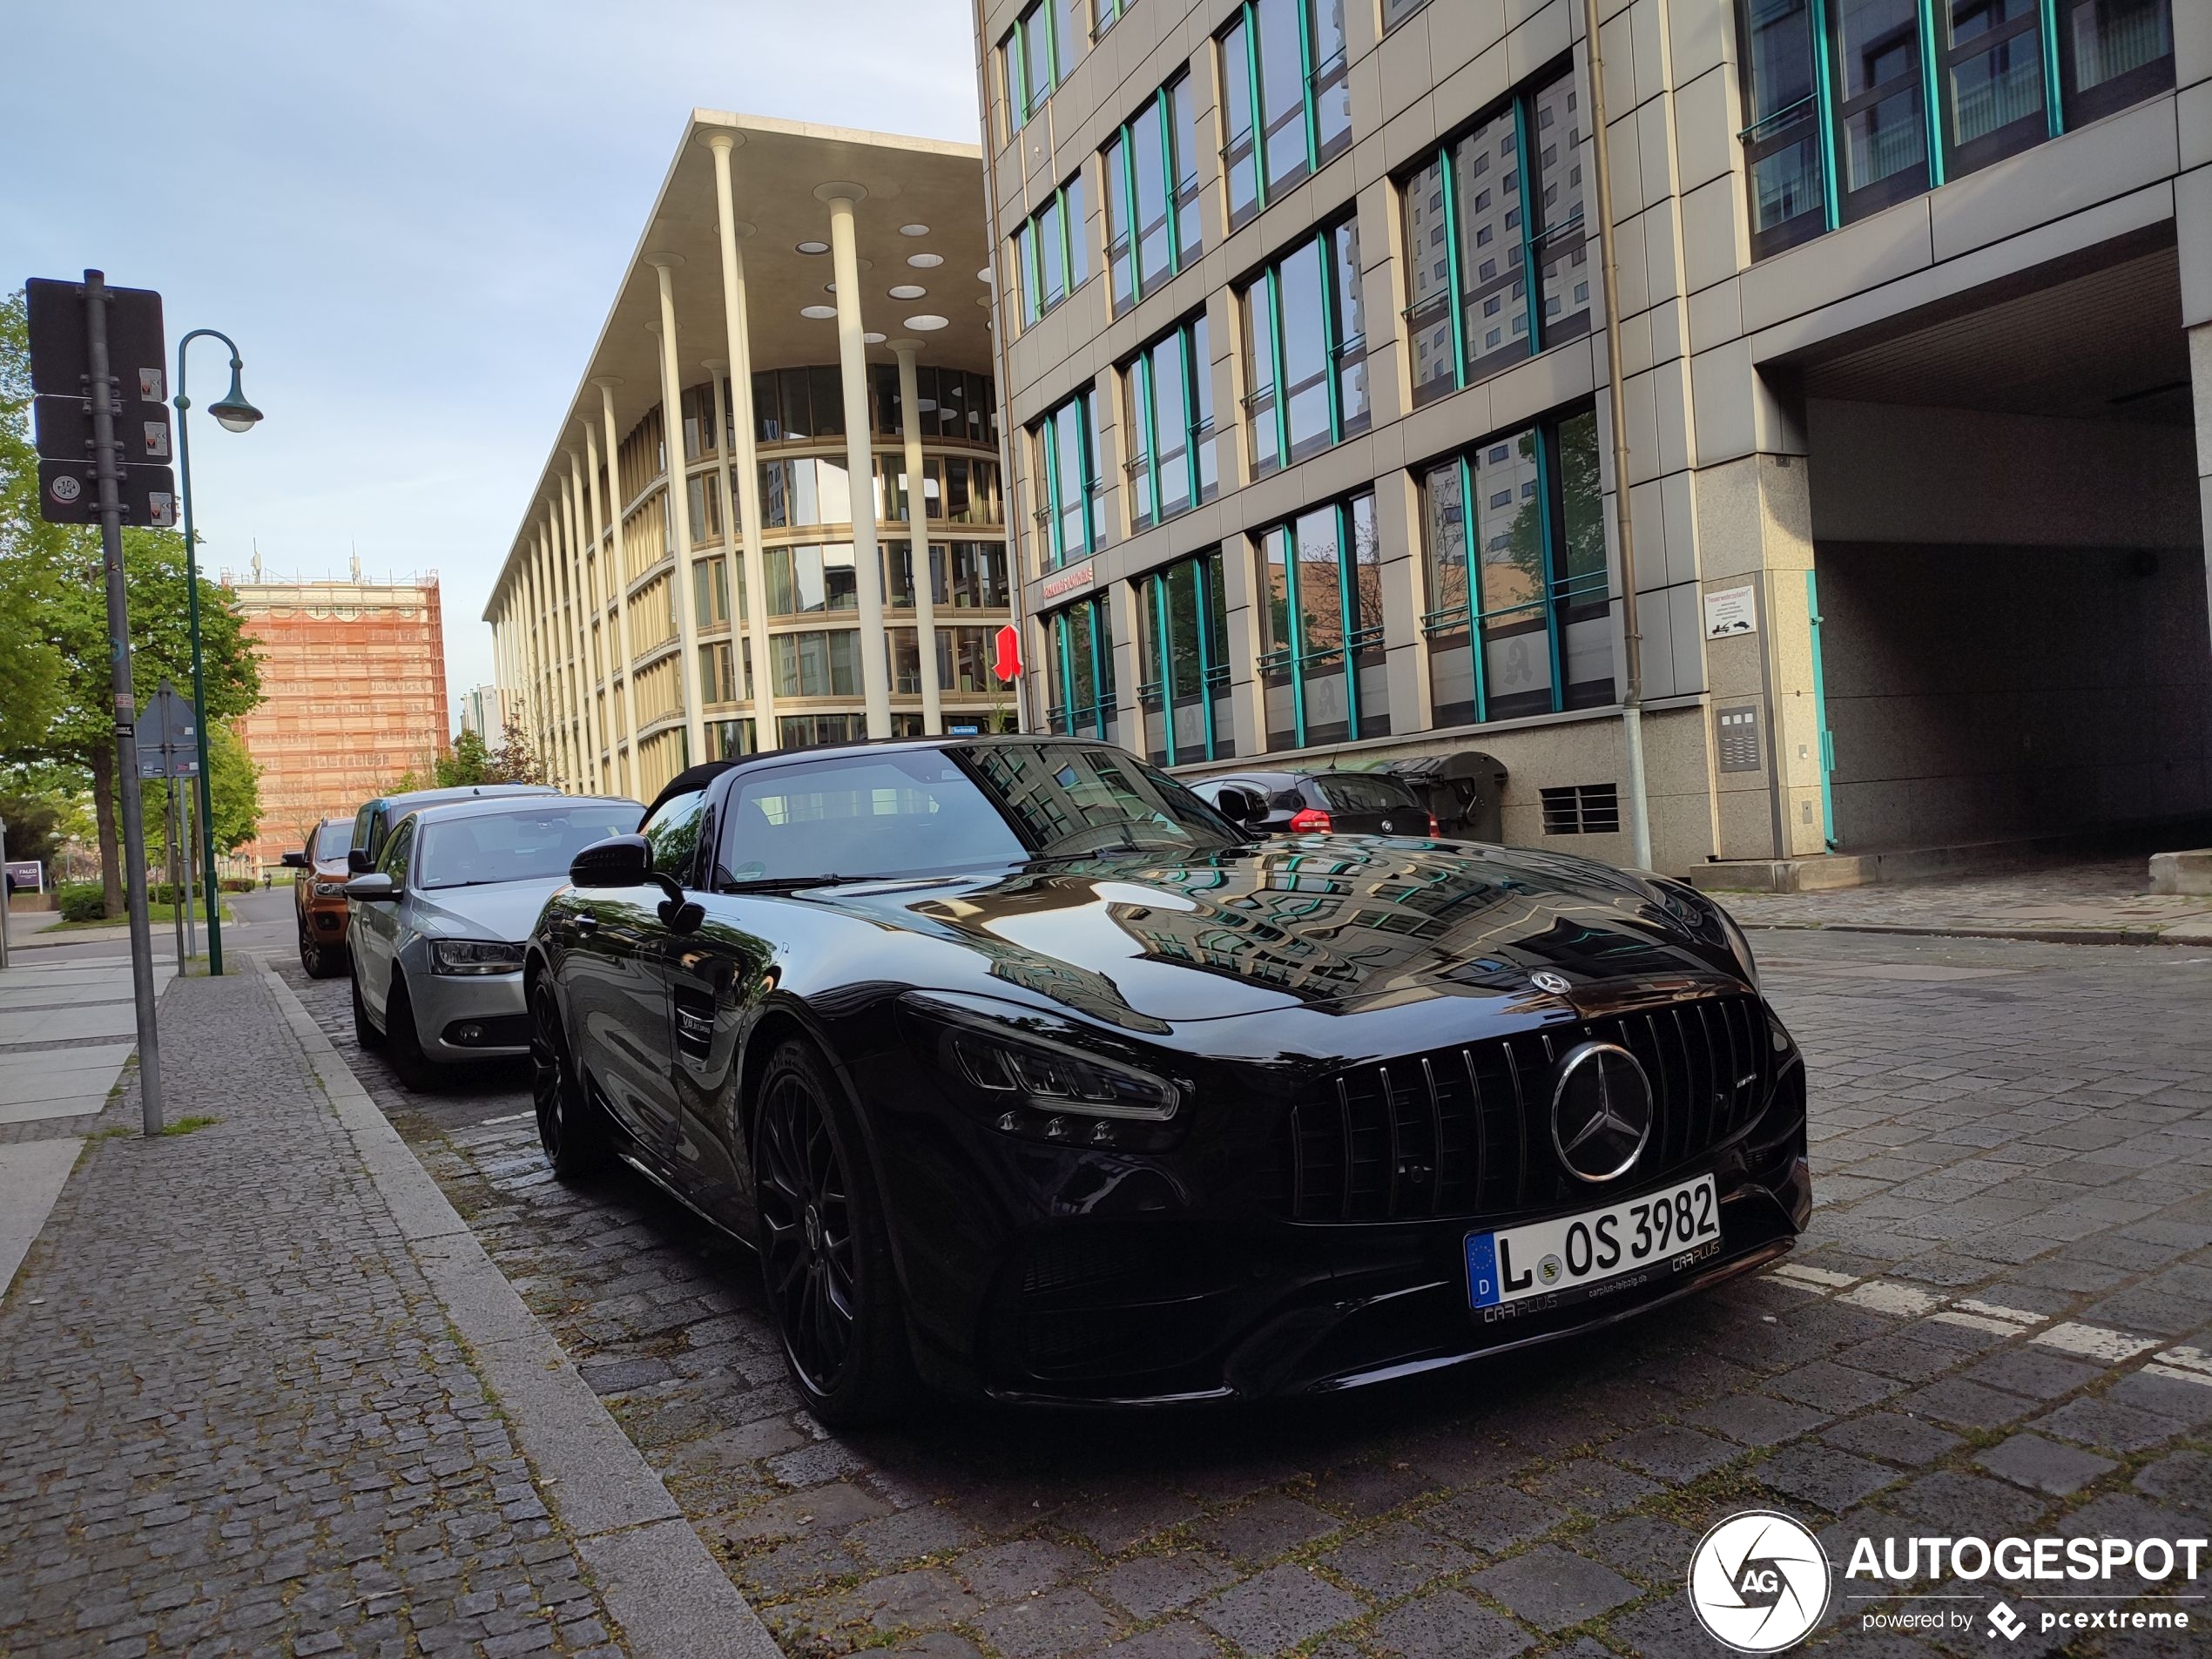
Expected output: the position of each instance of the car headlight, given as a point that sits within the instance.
(475, 956)
(1009, 1071)
(330, 889)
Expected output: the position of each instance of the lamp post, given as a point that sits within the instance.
(234, 414)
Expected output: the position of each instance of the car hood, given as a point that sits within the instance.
(1339, 922)
(505, 910)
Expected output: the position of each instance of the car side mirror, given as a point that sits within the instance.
(358, 861)
(373, 889)
(294, 860)
(618, 861)
(1238, 804)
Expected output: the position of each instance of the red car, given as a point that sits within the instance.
(319, 897)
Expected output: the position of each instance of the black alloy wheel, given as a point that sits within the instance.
(825, 1253)
(365, 1032)
(320, 961)
(572, 1132)
(403, 1043)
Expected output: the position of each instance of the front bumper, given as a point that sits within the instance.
(1063, 1275)
(468, 1016)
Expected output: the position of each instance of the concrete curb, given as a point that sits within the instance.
(657, 1580)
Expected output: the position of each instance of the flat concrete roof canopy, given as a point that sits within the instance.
(923, 198)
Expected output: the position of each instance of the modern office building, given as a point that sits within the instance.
(803, 337)
(482, 712)
(1308, 381)
(354, 695)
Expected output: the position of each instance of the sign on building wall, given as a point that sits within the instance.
(1731, 611)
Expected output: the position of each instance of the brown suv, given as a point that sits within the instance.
(319, 897)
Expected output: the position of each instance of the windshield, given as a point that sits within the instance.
(333, 840)
(897, 814)
(523, 845)
(1073, 797)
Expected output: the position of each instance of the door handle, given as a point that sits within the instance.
(587, 924)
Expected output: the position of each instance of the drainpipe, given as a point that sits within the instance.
(1631, 630)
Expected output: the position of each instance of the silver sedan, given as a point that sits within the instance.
(437, 928)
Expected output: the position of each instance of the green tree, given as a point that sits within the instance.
(516, 761)
(470, 763)
(36, 824)
(53, 621)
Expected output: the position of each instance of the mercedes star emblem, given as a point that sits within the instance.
(1547, 980)
(1600, 1111)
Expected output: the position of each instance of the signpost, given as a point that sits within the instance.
(104, 349)
(169, 748)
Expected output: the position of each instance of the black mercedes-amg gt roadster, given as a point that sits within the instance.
(1030, 1073)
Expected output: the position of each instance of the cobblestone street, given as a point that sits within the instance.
(1998, 1322)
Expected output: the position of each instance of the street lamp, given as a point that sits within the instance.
(234, 414)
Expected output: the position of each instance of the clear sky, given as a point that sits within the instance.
(410, 214)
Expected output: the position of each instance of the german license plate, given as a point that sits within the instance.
(1598, 1252)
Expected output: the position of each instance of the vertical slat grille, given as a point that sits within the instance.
(1465, 1131)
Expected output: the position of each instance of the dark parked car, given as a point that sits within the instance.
(1026, 1071)
(1319, 803)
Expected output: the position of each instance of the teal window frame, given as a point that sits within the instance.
(1015, 52)
(1117, 170)
(1537, 240)
(1558, 590)
(1195, 416)
(1243, 61)
(1063, 715)
(1155, 598)
(1819, 119)
(1342, 349)
(1104, 14)
(1065, 208)
(1294, 657)
(1053, 506)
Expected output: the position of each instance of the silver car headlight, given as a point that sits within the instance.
(475, 956)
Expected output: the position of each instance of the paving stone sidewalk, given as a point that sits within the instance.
(2106, 901)
(234, 1417)
(1990, 1324)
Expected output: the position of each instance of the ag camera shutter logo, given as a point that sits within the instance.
(1759, 1582)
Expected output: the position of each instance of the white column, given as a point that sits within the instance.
(540, 674)
(933, 711)
(744, 451)
(718, 367)
(671, 398)
(564, 641)
(612, 567)
(580, 577)
(860, 456)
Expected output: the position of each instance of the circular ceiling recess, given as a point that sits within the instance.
(929, 322)
(818, 314)
(914, 230)
(908, 291)
(813, 247)
(925, 261)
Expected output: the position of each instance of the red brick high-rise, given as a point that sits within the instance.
(354, 681)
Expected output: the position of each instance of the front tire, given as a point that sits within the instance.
(572, 1130)
(319, 959)
(825, 1248)
(403, 1041)
(365, 1032)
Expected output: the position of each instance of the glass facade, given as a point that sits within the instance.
(1150, 169)
(953, 404)
(824, 663)
(1169, 432)
(1071, 505)
(1488, 207)
(1079, 670)
(806, 405)
(1286, 98)
(1051, 251)
(1305, 350)
(1513, 545)
(1851, 105)
(1182, 615)
(1321, 647)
